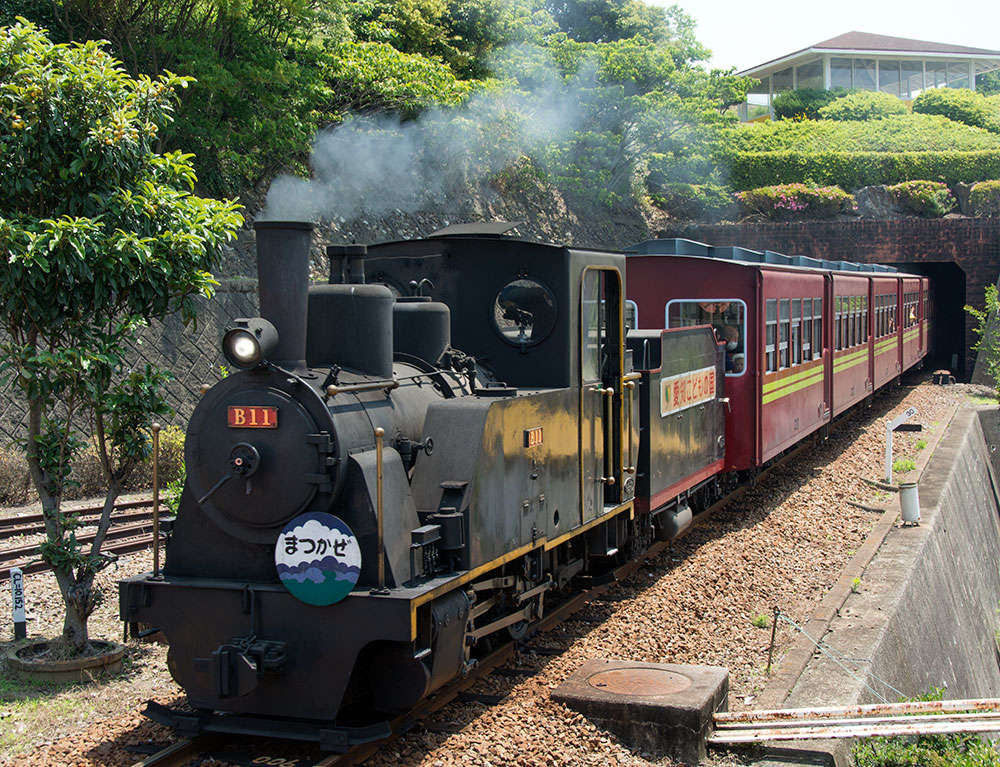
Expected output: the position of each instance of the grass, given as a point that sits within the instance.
(960, 750)
(979, 399)
(903, 465)
(761, 621)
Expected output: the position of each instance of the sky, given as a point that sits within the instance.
(743, 33)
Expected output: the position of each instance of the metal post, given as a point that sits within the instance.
(156, 500)
(770, 649)
(17, 603)
(379, 434)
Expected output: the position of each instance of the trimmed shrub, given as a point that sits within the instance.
(899, 133)
(804, 103)
(960, 105)
(853, 170)
(785, 202)
(931, 199)
(863, 105)
(984, 199)
(696, 202)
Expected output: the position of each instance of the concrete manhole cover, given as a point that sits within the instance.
(639, 681)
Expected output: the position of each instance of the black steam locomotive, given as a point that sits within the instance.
(411, 460)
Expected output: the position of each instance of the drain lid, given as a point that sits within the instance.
(639, 681)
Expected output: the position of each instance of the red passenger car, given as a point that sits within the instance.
(805, 339)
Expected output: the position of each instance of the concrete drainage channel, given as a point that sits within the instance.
(927, 618)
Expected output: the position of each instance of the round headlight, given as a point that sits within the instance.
(241, 348)
(249, 342)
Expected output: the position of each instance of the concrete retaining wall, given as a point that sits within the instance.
(928, 611)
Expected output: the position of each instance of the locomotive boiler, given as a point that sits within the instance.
(406, 464)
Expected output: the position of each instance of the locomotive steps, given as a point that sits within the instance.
(925, 618)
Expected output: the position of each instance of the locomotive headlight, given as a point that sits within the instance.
(249, 341)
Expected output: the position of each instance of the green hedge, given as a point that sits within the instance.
(984, 199)
(863, 105)
(900, 133)
(790, 202)
(961, 105)
(853, 170)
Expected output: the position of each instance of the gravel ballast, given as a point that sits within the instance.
(783, 543)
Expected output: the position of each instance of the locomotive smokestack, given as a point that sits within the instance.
(347, 263)
(283, 284)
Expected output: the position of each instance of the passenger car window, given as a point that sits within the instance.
(726, 316)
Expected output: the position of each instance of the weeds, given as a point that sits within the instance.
(903, 465)
(921, 444)
(855, 585)
(761, 621)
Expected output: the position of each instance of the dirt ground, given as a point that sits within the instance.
(703, 600)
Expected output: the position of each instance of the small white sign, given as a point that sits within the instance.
(686, 390)
(903, 418)
(17, 593)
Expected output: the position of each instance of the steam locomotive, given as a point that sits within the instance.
(409, 463)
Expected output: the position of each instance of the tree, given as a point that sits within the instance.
(988, 345)
(101, 234)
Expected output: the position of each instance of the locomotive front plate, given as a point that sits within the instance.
(318, 558)
(253, 417)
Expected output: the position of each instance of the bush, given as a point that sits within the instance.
(960, 105)
(984, 199)
(786, 202)
(15, 481)
(852, 170)
(899, 133)
(925, 198)
(804, 103)
(863, 105)
(696, 202)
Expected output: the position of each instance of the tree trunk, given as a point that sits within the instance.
(75, 623)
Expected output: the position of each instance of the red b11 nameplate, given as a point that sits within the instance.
(253, 417)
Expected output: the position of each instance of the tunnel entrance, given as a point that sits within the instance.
(949, 345)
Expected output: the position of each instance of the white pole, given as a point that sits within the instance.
(17, 603)
(888, 451)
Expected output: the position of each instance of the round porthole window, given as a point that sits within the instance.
(524, 312)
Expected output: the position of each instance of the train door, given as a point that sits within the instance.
(600, 395)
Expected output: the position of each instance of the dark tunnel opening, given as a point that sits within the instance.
(949, 344)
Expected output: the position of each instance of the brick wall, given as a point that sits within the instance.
(973, 244)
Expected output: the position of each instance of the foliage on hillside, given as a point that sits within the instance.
(803, 103)
(269, 76)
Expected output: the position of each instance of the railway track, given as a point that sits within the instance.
(202, 747)
(129, 532)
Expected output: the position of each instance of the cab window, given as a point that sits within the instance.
(727, 316)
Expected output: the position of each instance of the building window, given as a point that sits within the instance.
(888, 77)
(937, 74)
(840, 73)
(958, 74)
(783, 80)
(911, 79)
(864, 74)
(810, 75)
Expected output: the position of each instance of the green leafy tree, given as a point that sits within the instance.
(101, 234)
(986, 328)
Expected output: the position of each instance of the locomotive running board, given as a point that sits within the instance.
(335, 739)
